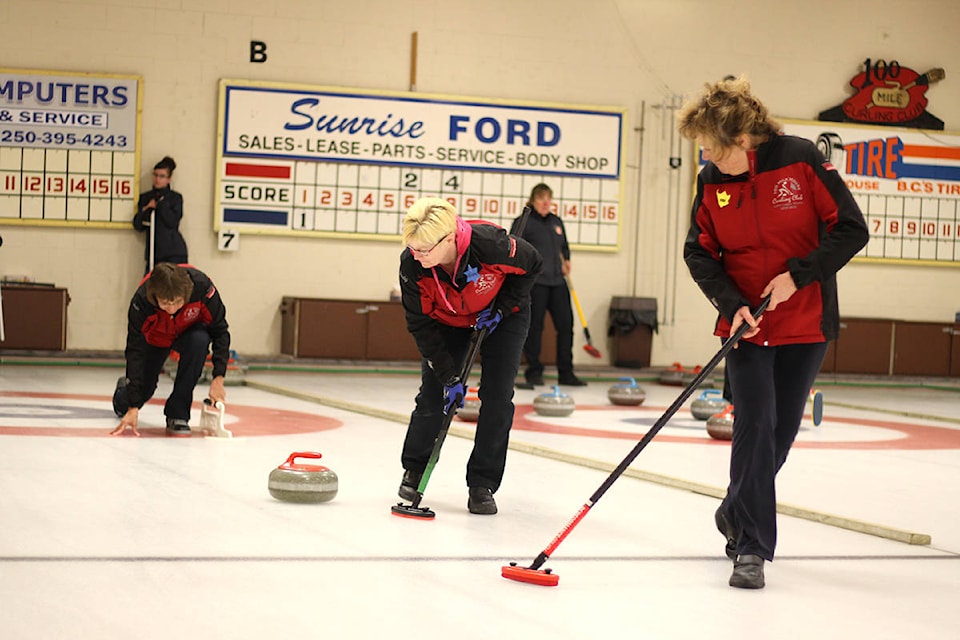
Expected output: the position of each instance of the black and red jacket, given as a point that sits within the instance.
(791, 211)
(151, 327)
(491, 265)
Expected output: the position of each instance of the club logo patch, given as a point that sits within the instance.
(787, 194)
(485, 283)
(723, 198)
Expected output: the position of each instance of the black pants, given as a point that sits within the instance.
(192, 346)
(770, 386)
(500, 352)
(556, 300)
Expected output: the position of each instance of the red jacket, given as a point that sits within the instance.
(790, 212)
(148, 326)
(491, 265)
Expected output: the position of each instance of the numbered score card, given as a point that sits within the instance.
(907, 183)
(69, 148)
(333, 162)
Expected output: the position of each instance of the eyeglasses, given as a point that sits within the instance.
(423, 253)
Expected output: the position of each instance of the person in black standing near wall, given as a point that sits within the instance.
(169, 245)
(545, 232)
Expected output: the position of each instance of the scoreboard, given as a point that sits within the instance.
(69, 148)
(907, 183)
(333, 162)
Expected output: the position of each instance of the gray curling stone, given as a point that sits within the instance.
(294, 482)
(627, 393)
(470, 411)
(673, 376)
(554, 405)
(710, 402)
(720, 425)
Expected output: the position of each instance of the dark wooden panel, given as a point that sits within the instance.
(864, 346)
(35, 318)
(289, 311)
(922, 349)
(387, 336)
(955, 352)
(332, 329)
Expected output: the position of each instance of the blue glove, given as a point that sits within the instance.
(453, 393)
(488, 319)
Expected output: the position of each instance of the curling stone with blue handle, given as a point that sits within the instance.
(297, 482)
(627, 393)
(554, 405)
(710, 402)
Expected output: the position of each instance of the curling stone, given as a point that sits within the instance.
(689, 376)
(171, 364)
(627, 393)
(554, 405)
(720, 425)
(709, 403)
(293, 482)
(470, 410)
(673, 376)
(236, 370)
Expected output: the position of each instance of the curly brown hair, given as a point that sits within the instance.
(724, 111)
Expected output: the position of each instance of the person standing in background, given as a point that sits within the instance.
(550, 293)
(167, 204)
(771, 218)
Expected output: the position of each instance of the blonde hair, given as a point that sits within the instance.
(428, 220)
(724, 111)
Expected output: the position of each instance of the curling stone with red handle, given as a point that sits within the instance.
(672, 376)
(297, 482)
(470, 411)
(627, 393)
(720, 426)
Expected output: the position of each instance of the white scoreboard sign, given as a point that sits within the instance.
(320, 161)
(907, 183)
(69, 148)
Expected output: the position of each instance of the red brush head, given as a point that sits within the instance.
(416, 513)
(541, 577)
(592, 350)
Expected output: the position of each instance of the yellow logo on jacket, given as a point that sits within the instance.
(723, 198)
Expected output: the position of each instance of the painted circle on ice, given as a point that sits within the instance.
(631, 423)
(91, 416)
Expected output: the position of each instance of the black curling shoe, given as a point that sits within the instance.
(120, 403)
(724, 526)
(747, 572)
(481, 502)
(572, 381)
(178, 428)
(409, 485)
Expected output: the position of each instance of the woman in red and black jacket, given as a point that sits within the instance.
(175, 307)
(771, 217)
(457, 277)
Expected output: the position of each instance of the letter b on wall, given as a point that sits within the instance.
(258, 51)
